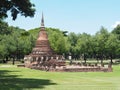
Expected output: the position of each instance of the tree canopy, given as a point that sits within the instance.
(23, 7)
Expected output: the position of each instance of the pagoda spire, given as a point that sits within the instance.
(42, 21)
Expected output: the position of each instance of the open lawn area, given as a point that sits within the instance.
(14, 78)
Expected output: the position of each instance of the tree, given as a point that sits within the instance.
(14, 42)
(23, 7)
(72, 39)
(112, 45)
(84, 45)
(101, 38)
(116, 32)
(57, 40)
(4, 29)
(3, 49)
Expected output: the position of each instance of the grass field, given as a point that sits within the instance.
(13, 78)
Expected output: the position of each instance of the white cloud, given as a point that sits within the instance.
(116, 23)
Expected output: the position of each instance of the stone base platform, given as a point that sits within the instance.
(75, 69)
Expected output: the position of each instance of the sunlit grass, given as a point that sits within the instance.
(14, 78)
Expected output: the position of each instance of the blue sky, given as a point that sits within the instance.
(72, 15)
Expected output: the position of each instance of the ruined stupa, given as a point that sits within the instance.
(42, 50)
(42, 46)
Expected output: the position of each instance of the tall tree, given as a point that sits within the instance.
(72, 39)
(101, 38)
(112, 45)
(84, 45)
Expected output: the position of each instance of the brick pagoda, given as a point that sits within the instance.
(42, 50)
(42, 47)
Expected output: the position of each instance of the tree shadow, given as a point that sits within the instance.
(12, 82)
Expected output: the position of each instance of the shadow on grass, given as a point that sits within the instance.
(12, 82)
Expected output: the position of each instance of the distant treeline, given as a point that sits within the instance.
(15, 43)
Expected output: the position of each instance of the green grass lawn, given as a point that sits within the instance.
(14, 78)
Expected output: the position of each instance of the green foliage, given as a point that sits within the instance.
(101, 39)
(72, 40)
(113, 45)
(72, 37)
(34, 32)
(3, 51)
(57, 40)
(84, 43)
(15, 44)
(4, 28)
(117, 31)
(23, 7)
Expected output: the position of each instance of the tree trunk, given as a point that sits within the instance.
(6, 59)
(85, 58)
(111, 59)
(13, 61)
(101, 61)
(97, 60)
(101, 57)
